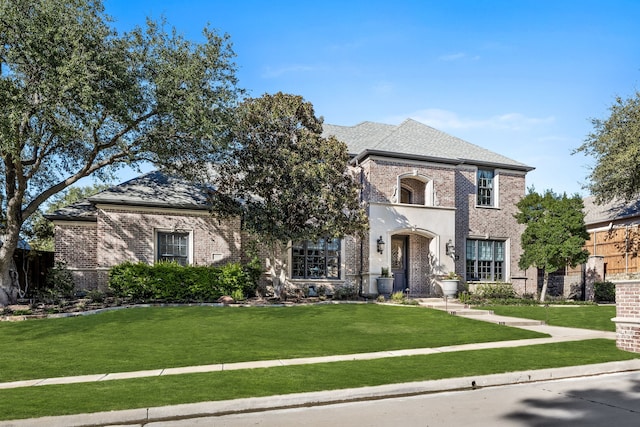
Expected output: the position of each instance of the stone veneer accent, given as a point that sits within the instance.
(627, 318)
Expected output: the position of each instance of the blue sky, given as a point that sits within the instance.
(522, 78)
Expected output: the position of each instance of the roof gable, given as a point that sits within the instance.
(154, 189)
(414, 139)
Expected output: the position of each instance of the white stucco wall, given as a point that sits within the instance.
(386, 220)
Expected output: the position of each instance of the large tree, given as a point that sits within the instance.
(555, 232)
(283, 178)
(614, 143)
(78, 99)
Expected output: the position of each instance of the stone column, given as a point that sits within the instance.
(627, 318)
(594, 273)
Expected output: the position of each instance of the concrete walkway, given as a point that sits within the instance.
(142, 416)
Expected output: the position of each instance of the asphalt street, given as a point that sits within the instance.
(603, 400)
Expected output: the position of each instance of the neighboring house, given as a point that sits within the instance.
(614, 230)
(436, 204)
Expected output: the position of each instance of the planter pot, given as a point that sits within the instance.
(385, 285)
(449, 287)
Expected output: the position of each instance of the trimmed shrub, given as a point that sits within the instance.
(604, 291)
(171, 282)
(496, 291)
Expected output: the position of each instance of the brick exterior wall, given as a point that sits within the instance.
(627, 318)
(382, 180)
(124, 233)
(492, 222)
(75, 245)
(121, 235)
(129, 235)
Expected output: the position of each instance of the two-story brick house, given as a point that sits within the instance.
(436, 204)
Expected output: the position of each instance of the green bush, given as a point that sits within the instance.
(58, 284)
(604, 291)
(496, 291)
(171, 282)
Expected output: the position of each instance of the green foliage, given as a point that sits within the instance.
(397, 297)
(495, 291)
(287, 181)
(58, 284)
(615, 146)
(384, 272)
(604, 291)
(348, 291)
(555, 232)
(171, 282)
(80, 99)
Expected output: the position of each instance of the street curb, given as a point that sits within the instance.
(257, 404)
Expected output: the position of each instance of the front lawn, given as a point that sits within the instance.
(163, 337)
(31, 402)
(573, 316)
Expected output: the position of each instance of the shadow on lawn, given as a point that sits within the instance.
(580, 407)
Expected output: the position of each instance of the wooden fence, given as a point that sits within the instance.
(619, 246)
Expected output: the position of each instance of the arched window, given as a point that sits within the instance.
(415, 189)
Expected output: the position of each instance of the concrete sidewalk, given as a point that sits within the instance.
(145, 415)
(557, 334)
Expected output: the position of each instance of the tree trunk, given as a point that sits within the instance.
(8, 285)
(545, 283)
(8, 272)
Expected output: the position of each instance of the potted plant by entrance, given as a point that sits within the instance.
(385, 282)
(449, 284)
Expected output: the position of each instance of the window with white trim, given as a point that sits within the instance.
(486, 187)
(485, 260)
(316, 260)
(173, 246)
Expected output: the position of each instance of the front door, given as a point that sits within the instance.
(399, 262)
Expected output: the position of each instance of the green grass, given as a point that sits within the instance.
(157, 391)
(163, 337)
(573, 316)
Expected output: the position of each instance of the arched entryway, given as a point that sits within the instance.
(412, 263)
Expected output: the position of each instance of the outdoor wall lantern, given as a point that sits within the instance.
(380, 245)
(450, 249)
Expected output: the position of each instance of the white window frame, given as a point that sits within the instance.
(495, 196)
(156, 243)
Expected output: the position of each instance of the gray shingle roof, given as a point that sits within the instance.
(154, 189)
(410, 139)
(609, 212)
(79, 211)
(414, 139)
